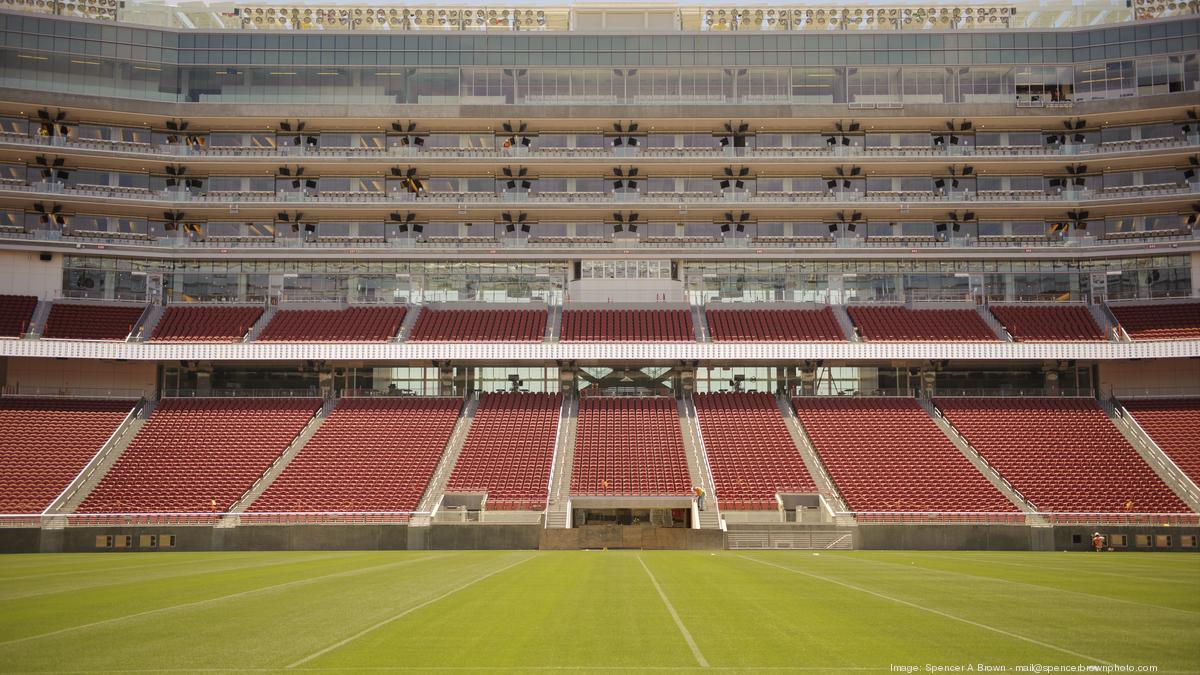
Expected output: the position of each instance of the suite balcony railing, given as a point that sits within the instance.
(176, 197)
(175, 151)
(744, 243)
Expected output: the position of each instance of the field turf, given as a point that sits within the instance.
(603, 611)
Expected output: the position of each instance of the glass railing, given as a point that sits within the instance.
(170, 151)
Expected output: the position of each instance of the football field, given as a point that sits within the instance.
(600, 611)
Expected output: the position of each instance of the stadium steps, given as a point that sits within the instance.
(1107, 322)
(997, 327)
(554, 322)
(37, 322)
(410, 320)
(294, 448)
(698, 469)
(843, 319)
(432, 498)
(144, 328)
(260, 325)
(558, 505)
(811, 461)
(1152, 454)
(700, 324)
(980, 463)
(95, 471)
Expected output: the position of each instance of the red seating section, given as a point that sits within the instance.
(480, 325)
(91, 322)
(205, 324)
(45, 443)
(1063, 455)
(192, 452)
(901, 324)
(15, 314)
(887, 454)
(750, 452)
(773, 325)
(1166, 321)
(370, 455)
(509, 451)
(355, 324)
(627, 325)
(1043, 323)
(629, 446)
(1174, 424)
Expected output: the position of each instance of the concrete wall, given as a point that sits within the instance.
(616, 536)
(948, 537)
(53, 374)
(23, 273)
(1154, 374)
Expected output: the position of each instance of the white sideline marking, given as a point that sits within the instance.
(401, 615)
(674, 615)
(209, 601)
(1082, 570)
(938, 612)
(1018, 583)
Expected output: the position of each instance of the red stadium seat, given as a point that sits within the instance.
(479, 325)
(91, 322)
(182, 323)
(1049, 323)
(901, 324)
(1174, 424)
(354, 324)
(15, 314)
(1162, 321)
(627, 325)
(773, 325)
(629, 446)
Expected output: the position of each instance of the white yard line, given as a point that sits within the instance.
(687, 636)
(401, 615)
(211, 601)
(931, 610)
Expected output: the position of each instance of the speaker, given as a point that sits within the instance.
(46, 257)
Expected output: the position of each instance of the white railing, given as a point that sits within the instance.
(75, 392)
(97, 462)
(1182, 391)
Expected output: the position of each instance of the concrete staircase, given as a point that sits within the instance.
(441, 476)
(553, 323)
(812, 462)
(1107, 322)
(261, 324)
(998, 328)
(144, 328)
(981, 465)
(698, 469)
(1163, 466)
(95, 471)
(700, 324)
(410, 320)
(37, 322)
(558, 504)
(260, 486)
(843, 319)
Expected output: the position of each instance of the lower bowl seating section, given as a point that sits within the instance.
(888, 455)
(479, 325)
(509, 451)
(15, 314)
(1063, 455)
(1043, 323)
(1174, 424)
(629, 446)
(773, 325)
(901, 324)
(353, 324)
(627, 325)
(205, 324)
(371, 455)
(91, 322)
(750, 451)
(1165, 321)
(194, 452)
(46, 442)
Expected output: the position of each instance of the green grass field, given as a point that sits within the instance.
(604, 611)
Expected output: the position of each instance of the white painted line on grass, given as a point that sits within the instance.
(938, 612)
(674, 615)
(401, 615)
(210, 601)
(1044, 568)
(1026, 584)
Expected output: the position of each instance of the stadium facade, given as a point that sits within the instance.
(361, 275)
